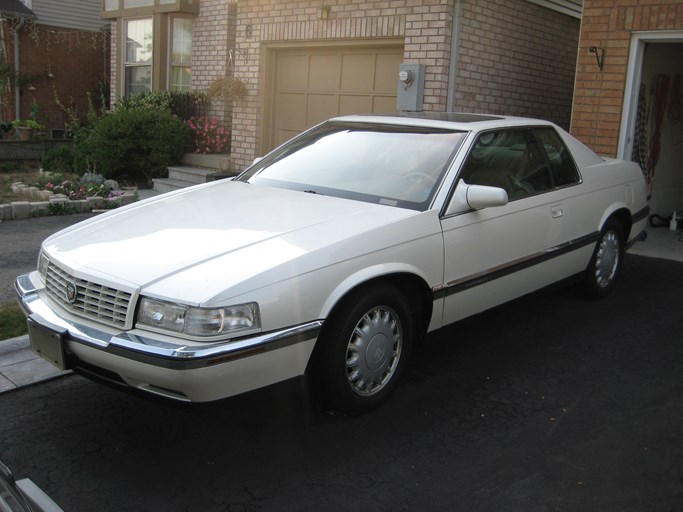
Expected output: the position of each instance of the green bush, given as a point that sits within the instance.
(155, 100)
(59, 159)
(135, 144)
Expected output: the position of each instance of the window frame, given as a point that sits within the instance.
(126, 64)
(170, 53)
(161, 62)
(532, 129)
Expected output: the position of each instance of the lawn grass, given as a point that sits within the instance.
(12, 321)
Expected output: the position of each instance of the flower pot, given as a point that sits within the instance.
(25, 132)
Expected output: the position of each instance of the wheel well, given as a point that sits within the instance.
(413, 288)
(623, 217)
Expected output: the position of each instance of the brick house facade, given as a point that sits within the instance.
(499, 56)
(599, 95)
(509, 57)
(59, 57)
(640, 46)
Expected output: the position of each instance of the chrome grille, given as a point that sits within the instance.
(92, 300)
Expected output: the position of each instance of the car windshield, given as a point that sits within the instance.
(386, 164)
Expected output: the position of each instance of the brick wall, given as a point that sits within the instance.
(57, 61)
(516, 58)
(213, 43)
(212, 40)
(599, 94)
(424, 25)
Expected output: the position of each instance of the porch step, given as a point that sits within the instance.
(218, 162)
(195, 169)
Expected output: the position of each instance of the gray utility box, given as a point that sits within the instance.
(411, 86)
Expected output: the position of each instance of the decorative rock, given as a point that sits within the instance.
(81, 205)
(96, 202)
(39, 208)
(127, 198)
(111, 184)
(21, 210)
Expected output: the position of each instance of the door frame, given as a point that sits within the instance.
(633, 79)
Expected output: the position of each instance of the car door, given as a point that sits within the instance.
(496, 254)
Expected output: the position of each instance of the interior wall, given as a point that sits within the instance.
(667, 183)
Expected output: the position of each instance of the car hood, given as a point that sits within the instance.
(233, 230)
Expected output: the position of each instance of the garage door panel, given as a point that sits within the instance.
(354, 104)
(282, 136)
(321, 107)
(312, 84)
(324, 73)
(358, 73)
(291, 112)
(292, 72)
(384, 105)
(386, 72)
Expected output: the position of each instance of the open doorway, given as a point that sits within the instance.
(652, 122)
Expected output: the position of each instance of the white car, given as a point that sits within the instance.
(331, 257)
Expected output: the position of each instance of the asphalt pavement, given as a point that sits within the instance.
(548, 403)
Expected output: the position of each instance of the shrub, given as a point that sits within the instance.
(59, 159)
(135, 144)
(155, 100)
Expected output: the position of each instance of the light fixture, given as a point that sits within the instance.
(599, 55)
(325, 13)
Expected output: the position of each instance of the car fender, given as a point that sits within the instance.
(611, 210)
(366, 275)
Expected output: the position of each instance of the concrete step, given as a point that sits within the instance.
(219, 162)
(163, 185)
(192, 175)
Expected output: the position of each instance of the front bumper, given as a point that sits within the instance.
(186, 371)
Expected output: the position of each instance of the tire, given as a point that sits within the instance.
(605, 265)
(362, 351)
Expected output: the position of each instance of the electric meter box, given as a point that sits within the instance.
(411, 86)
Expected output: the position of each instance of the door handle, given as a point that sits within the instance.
(557, 212)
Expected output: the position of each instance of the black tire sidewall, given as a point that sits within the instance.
(328, 373)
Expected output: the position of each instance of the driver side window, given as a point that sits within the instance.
(509, 159)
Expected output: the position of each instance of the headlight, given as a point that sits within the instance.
(233, 320)
(42, 264)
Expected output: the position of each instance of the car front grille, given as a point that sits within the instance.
(91, 300)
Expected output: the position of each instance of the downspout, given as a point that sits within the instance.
(17, 95)
(452, 66)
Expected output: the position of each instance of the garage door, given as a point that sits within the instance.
(310, 85)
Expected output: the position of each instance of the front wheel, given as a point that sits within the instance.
(363, 349)
(605, 265)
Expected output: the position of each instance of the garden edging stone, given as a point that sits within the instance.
(25, 209)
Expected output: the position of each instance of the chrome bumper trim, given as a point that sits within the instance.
(163, 353)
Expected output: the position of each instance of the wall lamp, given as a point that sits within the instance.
(325, 12)
(599, 55)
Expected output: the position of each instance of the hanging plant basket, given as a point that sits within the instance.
(227, 88)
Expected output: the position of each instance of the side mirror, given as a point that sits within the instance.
(257, 160)
(475, 197)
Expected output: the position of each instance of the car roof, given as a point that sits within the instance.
(449, 120)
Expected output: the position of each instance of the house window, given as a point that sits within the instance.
(138, 64)
(181, 54)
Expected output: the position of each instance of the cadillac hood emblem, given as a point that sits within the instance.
(71, 292)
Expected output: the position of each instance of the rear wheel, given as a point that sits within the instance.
(363, 349)
(605, 265)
